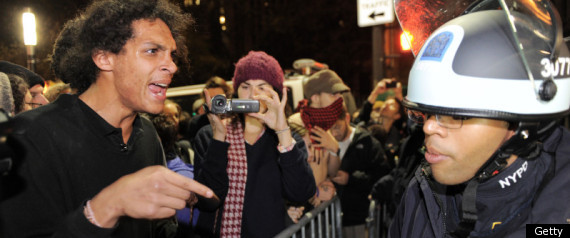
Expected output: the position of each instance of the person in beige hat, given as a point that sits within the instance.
(323, 88)
(319, 111)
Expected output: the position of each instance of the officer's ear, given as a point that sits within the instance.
(512, 127)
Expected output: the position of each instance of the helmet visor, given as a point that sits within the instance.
(420, 18)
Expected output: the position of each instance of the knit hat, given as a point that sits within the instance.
(6, 98)
(326, 81)
(31, 78)
(258, 65)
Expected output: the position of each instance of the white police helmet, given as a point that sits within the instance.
(508, 64)
(473, 66)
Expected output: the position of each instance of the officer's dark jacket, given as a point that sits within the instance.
(527, 192)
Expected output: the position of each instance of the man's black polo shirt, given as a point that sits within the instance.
(69, 154)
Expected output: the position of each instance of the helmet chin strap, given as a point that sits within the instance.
(525, 143)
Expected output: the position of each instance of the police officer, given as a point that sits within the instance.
(489, 87)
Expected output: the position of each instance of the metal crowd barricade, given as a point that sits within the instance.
(375, 219)
(323, 221)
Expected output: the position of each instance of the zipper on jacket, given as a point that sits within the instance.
(442, 209)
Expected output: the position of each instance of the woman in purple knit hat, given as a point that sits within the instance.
(265, 162)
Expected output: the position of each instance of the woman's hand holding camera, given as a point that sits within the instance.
(218, 125)
(274, 116)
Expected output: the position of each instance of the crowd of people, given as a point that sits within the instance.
(106, 154)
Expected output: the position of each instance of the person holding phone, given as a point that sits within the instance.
(387, 121)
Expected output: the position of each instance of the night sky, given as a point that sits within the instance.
(323, 30)
(326, 31)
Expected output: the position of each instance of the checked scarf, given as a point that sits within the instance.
(321, 117)
(237, 173)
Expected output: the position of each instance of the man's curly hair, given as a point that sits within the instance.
(107, 25)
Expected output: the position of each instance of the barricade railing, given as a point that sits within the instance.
(323, 221)
(375, 219)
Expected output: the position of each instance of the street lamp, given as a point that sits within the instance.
(30, 36)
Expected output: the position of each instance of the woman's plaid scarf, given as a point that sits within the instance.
(237, 174)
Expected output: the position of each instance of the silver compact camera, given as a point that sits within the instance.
(222, 105)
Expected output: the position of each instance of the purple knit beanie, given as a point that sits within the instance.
(258, 65)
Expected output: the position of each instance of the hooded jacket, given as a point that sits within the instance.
(365, 162)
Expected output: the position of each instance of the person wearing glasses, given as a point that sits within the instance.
(496, 157)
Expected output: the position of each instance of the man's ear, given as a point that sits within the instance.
(315, 99)
(103, 60)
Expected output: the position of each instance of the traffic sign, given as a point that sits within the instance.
(374, 12)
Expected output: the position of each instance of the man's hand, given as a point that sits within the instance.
(295, 213)
(324, 140)
(341, 177)
(318, 155)
(326, 191)
(151, 193)
(318, 161)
